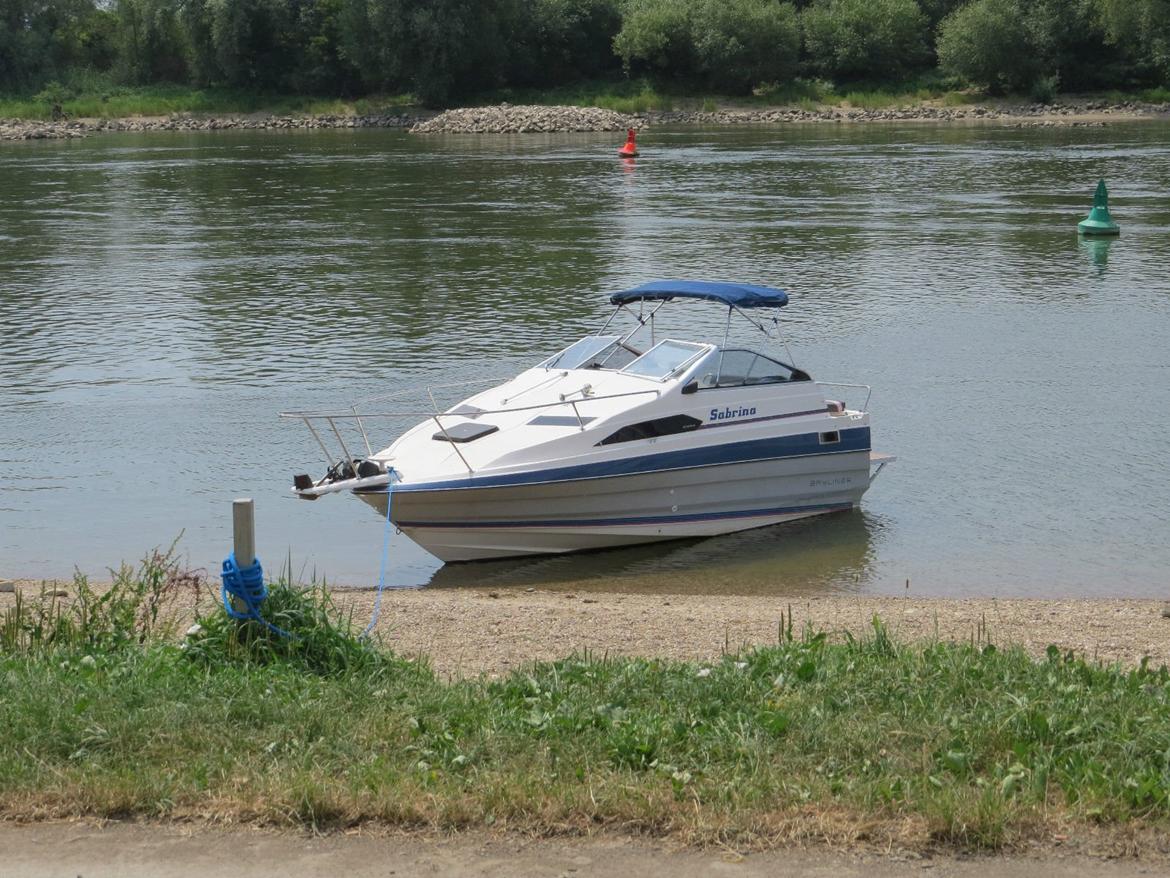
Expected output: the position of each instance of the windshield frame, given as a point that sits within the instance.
(697, 350)
(601, 342)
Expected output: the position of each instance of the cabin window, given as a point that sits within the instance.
(830, 438)
(738, 368)
(650, 429)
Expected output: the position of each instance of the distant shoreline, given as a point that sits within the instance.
(510, 119)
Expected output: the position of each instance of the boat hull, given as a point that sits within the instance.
(472, 523)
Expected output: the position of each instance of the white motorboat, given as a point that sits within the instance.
(615, 440)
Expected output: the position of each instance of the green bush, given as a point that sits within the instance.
(40, 39)
(936, 10)
(740, 43)
(552, 42)
(656, 34)
(865, 39)
(438, 49)
(1044, 89)
(1141, 30)
(725, 44)
(987, 42)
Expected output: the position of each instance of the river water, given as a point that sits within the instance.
(164, 296)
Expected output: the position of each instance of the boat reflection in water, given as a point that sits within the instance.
(831, 554)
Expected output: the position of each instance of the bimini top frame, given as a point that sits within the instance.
(737, 295)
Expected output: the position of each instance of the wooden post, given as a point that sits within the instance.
(244, 532)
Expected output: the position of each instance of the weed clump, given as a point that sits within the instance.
(137, 609)
(140, 610)
(314, 636)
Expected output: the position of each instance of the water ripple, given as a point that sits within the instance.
(162, 297)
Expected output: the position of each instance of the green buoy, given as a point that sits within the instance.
(1099, 222)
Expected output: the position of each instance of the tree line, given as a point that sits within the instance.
(442, 50)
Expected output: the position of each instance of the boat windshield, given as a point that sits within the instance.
(580, 352)
(593, 352)
(664, 359)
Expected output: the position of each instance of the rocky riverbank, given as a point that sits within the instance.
(506, 119)
(29, 129)
(509, 119)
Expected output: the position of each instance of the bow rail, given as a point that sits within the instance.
(347, 472)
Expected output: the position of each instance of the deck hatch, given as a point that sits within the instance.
(465, 432)
(650, 429)
(560, 421)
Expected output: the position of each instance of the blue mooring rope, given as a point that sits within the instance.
(385, 551)
(247, 585)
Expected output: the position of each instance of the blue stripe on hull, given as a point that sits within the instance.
(626, 522)
(773, 448)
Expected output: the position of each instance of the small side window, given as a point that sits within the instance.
(830, 438)
(650, 429)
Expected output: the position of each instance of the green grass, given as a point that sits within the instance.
(806, 94)
(622, 96)
(877, 100)
(645, 95)
(87, 95)
(105, 714)
(161, 100)
(958, 99)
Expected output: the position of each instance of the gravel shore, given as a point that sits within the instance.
(509, 119)
(30, 129)
(470, 631)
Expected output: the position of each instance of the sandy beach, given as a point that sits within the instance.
(493, 632)
(471, 631)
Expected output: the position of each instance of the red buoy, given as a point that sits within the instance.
(631, 148)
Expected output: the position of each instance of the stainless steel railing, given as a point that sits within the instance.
(868, 390)
(331, 418)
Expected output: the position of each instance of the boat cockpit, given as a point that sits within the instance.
(716, 366)
(706, 365)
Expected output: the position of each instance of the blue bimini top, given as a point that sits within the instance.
(739, 295)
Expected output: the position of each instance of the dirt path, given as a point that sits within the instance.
(468, 631)
(171, 851)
